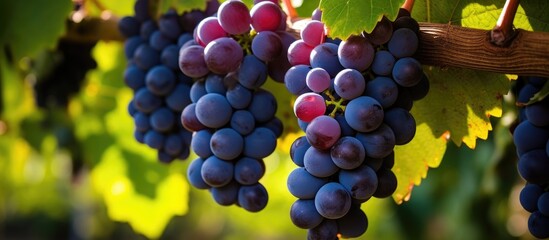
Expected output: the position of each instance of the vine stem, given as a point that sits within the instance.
(503, 32)
(408, 5)
(454, 46)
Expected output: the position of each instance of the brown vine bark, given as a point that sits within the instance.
(453, 46)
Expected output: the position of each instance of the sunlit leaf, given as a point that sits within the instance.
(352, 17)
(413, 160)
(461, 103)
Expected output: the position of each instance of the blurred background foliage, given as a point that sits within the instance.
(71, 169)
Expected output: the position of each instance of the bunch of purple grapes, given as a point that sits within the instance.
(531, 138)
(232, 116)
(161, 91)
(354, 98)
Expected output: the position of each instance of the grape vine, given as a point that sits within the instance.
(317, 115)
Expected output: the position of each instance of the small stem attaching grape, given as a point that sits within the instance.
(290, 10)
(408, 5)
(503, 32)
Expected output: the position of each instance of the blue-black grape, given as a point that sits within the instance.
(348, 153)
(383, 63)
(160, 80)
(146, 57)
(303, 214)
(253, 198)
(252, 73)
(364, 114)
(263, 106)
(407, 72)
(194, 175)
(226, 144)
(215, 84)
(260, 143)
(162, 120)
(326, 230)
(296, 79)
(402, 123)
(298, 149)
(543, 204)
(189, 120)
(145, 101)
(169, 56)
(201, 143)
(179, 98)
(403, 43)
(319, 163)
(538, 224)
(325, 56)
(379, 143)
(360, 182)
(154, 139)
(226, 195)
(387, 183)
(353, 224)
(243, 122)
(303, 185)
(216, 172)
(384, 90)
(141, 121)
(248, 171)
(213, 110)
(134, 77)
(239, 96)
(332, 200)
(349, 84)
(533, 166)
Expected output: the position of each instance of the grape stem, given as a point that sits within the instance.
(338, 104)
(290, 10)
(503, 32)
(408, 5)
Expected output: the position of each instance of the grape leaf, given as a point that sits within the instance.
(110, 178)
(482, 14)
(352, 17)
(26, 27)
(414, 160)
(461, 102)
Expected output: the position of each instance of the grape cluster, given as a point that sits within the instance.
(354, 98)
(531, 138)
(71, 62)
(161, 91)
(233, 118)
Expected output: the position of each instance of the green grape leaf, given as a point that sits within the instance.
(352, 17)
(461, 102)
(414, 159)
(181, 5)
(479, 94)
(112, 179)
(26, 27)
(482, 14)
